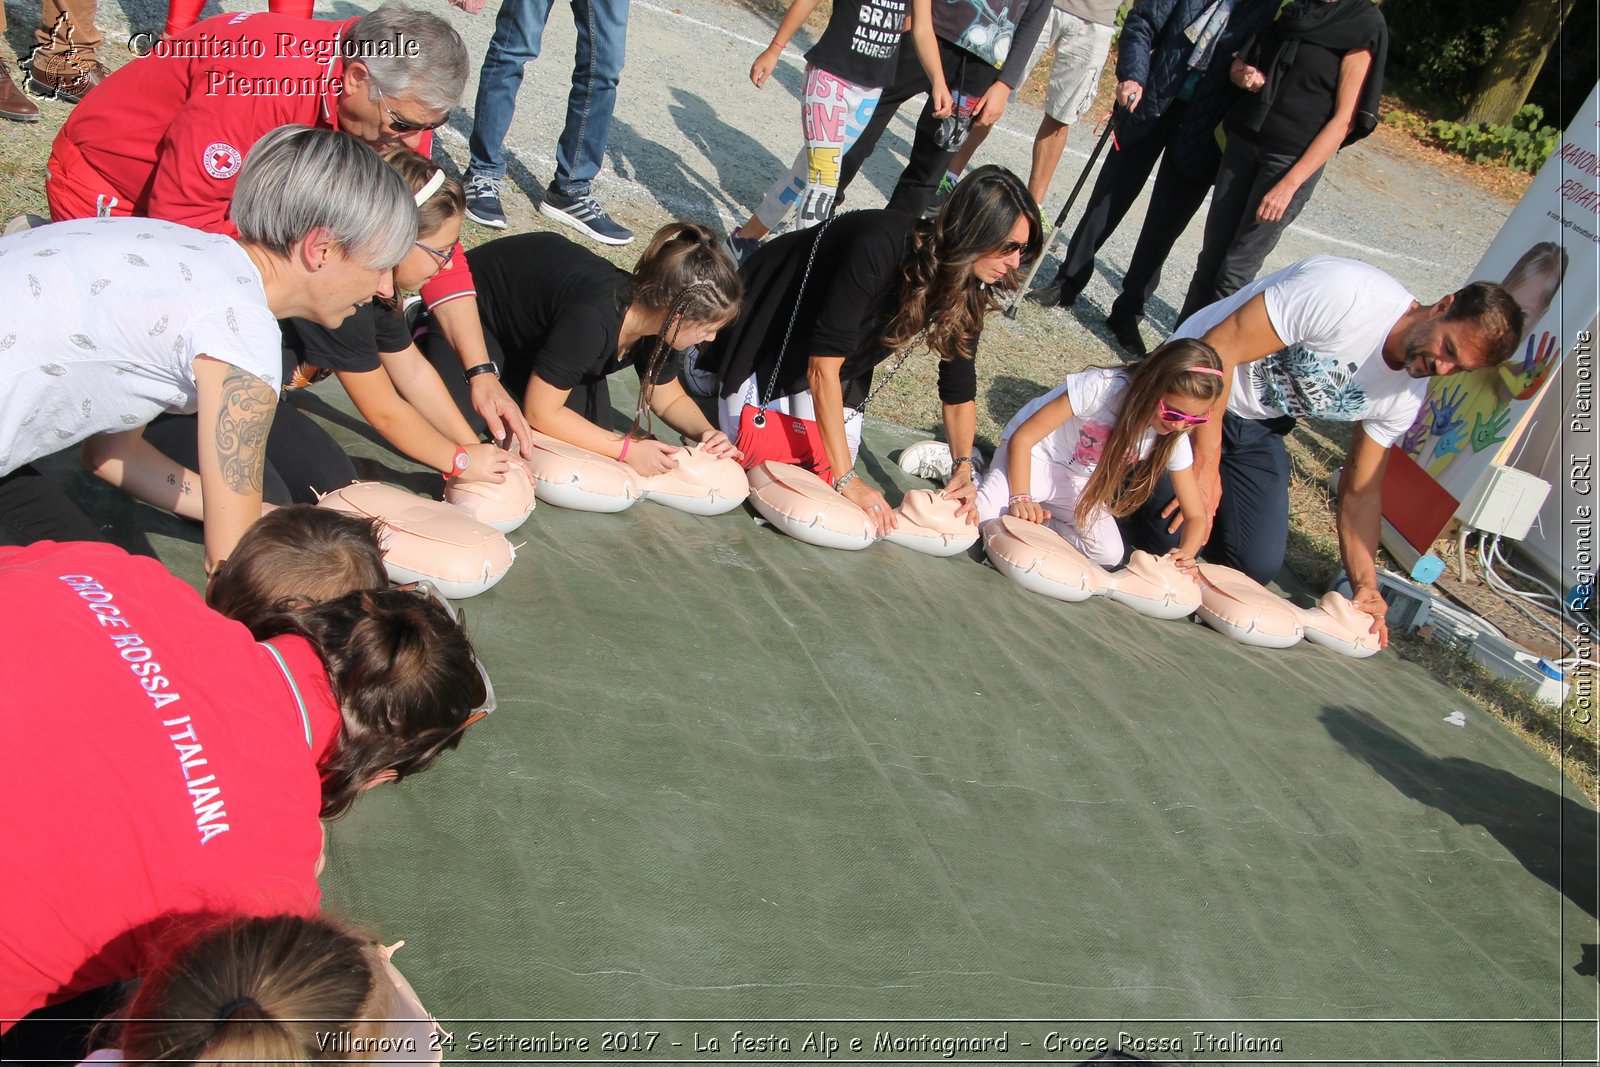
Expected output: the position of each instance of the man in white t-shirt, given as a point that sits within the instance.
(111, 321)
(1328, 338)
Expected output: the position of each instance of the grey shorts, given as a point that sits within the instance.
(1081, 49)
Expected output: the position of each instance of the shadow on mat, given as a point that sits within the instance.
(1551, 836)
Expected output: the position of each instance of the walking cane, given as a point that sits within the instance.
(1033, 271)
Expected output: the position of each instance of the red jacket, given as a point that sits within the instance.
(154, 763)
(169, 132)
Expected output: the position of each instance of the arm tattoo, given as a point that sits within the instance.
(245, 417)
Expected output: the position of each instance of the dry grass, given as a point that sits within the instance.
(1402, 132)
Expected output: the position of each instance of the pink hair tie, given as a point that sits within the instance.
(1207, 370)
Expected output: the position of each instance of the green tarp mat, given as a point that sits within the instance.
(741, 784)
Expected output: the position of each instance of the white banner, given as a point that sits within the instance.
(1548, 255)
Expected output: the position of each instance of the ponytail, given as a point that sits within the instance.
(254, 990)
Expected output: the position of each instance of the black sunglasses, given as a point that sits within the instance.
(400, 125)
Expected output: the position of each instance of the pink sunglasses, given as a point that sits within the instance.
(1176, 417)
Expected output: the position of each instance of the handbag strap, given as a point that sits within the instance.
(794, 314)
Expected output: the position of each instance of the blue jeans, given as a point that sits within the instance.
(602, 40)
(1251, 530)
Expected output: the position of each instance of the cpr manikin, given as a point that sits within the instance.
(927, 521)
(429, 540)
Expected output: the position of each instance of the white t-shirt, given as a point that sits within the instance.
(1335, 315)
(1096, 398)
(103, 321)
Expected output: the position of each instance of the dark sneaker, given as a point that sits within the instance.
(483, 201)
(1046, 295)
(584, 214)
(740, 248)
(1056, 294)
(940, 195)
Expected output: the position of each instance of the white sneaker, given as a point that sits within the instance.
(928, 459)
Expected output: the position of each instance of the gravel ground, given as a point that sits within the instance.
(692, 138)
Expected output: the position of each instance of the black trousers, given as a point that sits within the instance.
(35, 507)
(965, 74)
(1115, 189)
(302, 460)
(1251, 529)
(1175, 200)
(1236, 242)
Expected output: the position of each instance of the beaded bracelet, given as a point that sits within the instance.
(1020, 498)
(844, 479)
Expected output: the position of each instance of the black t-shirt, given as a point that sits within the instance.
(852, 293)
(555, 309)
(860, 41)
(311, 351)
(1301, 61)
(1306, 101)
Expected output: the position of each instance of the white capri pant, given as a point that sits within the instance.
(1056, 488)
(798, 405)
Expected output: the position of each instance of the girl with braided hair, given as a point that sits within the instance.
(559, 320)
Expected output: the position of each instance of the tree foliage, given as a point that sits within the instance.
(1440, 50)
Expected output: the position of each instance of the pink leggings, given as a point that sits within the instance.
(181, 14)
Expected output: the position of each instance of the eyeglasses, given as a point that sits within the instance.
(484, 703)
(1011, 248)
(1177, 417)
(400, 125)
(442, 257)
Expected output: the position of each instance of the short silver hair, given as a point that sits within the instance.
(297, 179)
(410, 52)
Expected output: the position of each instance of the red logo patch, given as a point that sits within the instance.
(222, 160)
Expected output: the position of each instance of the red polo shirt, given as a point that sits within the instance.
(166, 134)
(154, 762)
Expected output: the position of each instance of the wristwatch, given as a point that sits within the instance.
(483, 368)
(459, 463)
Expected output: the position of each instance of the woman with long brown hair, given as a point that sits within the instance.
(1092, 449)
(827, 306)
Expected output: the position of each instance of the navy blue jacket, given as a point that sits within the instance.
(1154, 52)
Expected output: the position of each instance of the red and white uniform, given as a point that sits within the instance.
(154, 762)
(166, 135)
